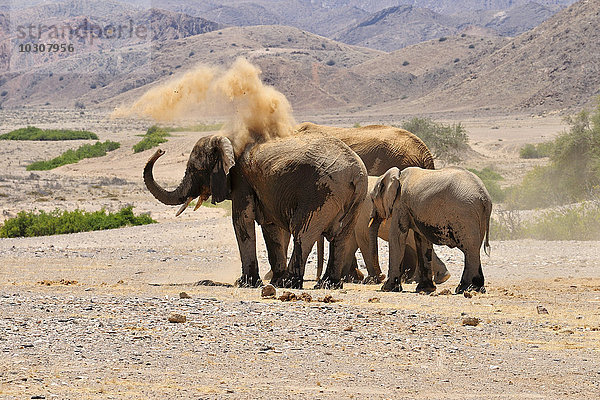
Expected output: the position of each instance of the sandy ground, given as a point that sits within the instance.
(85, 315)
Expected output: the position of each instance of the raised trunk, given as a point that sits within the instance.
(175, 197)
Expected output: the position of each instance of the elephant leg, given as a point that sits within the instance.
(295, 274)
(396, 255)
(472, 277)
(440, 272)
(320, 256)
(351, 273)
(409, 264)
(373, 268)
(276, 241)
(341, 253)
(243, 225)
(424, 274)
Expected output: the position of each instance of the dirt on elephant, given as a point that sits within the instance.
(253, 111)
(87, 315)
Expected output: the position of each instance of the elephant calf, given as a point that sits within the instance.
(450, 206)
(360, 240)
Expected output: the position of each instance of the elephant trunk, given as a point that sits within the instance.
(175, 197)
(374, 225)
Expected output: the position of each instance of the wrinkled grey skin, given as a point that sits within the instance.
(448, 207)
(380, 148)
(361, 240)
(287, 186)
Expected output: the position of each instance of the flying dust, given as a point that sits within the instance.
(254, 112)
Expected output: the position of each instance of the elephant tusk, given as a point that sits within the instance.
(199, 203)
(371, 222)
(184, 206)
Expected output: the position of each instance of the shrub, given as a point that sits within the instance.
(444, 141)
(194, 128)
(30, 223)
(153, 137)
(98, 149)
(33, 133)
(490, 179)
(536, 150)
(580, 222)
(573, 174)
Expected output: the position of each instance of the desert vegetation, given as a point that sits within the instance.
(445, 141)
(32, 223)
(98, 149)
(153, 137)
(34, 133)
(568, 188)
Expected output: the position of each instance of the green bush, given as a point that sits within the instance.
(444, 141)
(98, 149)
(195, 128)
(536, 150)
(31, 223)
(490, 179)
(33, 133)
(153, 137)
(573, 174)
(581, 222)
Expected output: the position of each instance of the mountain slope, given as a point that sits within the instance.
(554, 66)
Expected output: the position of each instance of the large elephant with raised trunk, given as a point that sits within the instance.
(448, 207)
(308, 187)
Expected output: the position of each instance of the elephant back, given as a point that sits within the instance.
(380, 147)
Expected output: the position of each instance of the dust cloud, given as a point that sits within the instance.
(254, 112)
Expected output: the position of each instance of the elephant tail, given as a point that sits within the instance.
(487, 215)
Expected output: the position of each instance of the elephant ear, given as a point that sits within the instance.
(384, 193)
(219, 184)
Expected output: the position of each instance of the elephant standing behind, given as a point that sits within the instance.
(287, 185)
(448, 207)
(380, 148)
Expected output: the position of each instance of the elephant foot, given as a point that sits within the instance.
(247, 281)
(461, 288)
(442, 279)
(392, 285)
(354, 277)
(373, 279)
(328, 284)
(425, 287)
(291, 282)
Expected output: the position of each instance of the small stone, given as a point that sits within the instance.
(445, 292)
(305, 297)
(177, 318)
(541, 309)
(287, 296)
(268, 291)
(348, 328)
(329, 299)
(374, 300)
(184, 295)
(471, 321)
(468, 295)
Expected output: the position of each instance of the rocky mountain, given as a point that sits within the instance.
(552, 67)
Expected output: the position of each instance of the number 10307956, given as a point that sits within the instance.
(46, 48)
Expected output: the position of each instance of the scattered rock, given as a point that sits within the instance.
(374, 300)
(305, 297)
(468, 295)
(444, 292)
(60, 282)
(177, 318)
(329, 299)
(348, 328)
(268, 291)
(209, 282)
(184, 295)
(287, 296)
(541, 309)
(471, 321)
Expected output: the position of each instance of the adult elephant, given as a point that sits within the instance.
(380, 148)
(285, 185)
(448, 207)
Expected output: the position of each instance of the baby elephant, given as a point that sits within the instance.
(450, 206)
